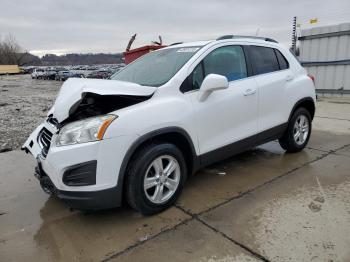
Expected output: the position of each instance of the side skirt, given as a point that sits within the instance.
(242, 145)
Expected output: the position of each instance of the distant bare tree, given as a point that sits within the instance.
(10, 51)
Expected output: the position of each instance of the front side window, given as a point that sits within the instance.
(156, 68)
(263, 59)
(228, 61)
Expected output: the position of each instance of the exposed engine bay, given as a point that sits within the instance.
(93, 104)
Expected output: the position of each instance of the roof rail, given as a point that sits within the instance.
(244, 36)
(177, 43)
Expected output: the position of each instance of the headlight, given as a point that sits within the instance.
(87, 130)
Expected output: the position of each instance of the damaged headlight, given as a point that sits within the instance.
(82, 131)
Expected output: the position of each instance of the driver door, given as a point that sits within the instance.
(227, 120)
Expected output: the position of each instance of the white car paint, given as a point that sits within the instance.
(247, 107)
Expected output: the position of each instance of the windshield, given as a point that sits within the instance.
(156, 68)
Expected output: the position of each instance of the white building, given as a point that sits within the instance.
(325, 53)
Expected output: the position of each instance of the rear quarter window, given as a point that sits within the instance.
(282, 61)
(263, 60)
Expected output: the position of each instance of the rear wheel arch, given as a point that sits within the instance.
(307, 103)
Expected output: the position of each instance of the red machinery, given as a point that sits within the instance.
(133, 54)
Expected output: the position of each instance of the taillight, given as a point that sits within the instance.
(312, 78)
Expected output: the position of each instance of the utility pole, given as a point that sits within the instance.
(294, 35)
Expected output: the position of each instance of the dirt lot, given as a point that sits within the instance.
(262, 205)
(24, 103)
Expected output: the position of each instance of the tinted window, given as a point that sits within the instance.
(263, 59)
(281, 60)
(228, 61)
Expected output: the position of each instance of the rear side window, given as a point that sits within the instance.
(263, 59)
(282, 61)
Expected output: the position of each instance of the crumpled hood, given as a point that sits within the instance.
(72, 89)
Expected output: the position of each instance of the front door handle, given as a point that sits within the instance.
(249, 92)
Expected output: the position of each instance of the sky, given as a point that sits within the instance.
(89, 26)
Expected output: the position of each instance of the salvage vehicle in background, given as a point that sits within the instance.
(49, 75)
(37, 73)
(64, 75)
(100, 74)
(141, 134)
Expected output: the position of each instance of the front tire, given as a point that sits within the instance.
(155, 178)
(298, 131)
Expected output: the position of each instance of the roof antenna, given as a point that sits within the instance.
(257, 32)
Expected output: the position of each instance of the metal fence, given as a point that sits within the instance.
(325, 53)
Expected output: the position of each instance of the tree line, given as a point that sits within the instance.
(11, 52)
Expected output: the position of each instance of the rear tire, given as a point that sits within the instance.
(298, 131)
(155, 178)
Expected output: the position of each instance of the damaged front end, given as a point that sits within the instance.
(69, 145)
(79, 99)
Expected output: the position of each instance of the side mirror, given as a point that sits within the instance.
(211, 83)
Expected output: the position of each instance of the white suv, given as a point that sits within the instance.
(138, 136)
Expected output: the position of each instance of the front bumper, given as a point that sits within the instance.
(81, 200)
(108, 154)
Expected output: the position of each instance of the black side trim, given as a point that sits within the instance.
(82, 174)
(242, 145)
(271, 134)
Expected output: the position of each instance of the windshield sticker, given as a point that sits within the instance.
(188, 50)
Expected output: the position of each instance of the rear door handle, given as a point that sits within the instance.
(289, 78)
(249, 92)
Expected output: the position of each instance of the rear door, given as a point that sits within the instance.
(272, 76)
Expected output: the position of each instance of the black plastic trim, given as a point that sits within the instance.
(242, 145)
(82, 174)
(90, 200)
(225, 37)
(297, 104)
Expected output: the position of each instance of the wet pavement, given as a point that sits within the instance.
(260, 205)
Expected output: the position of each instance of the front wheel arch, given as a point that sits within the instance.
(176, 135)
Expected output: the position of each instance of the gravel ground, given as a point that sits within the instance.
(24, 103)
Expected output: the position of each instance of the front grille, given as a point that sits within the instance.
(53, 121)
(44, 140)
